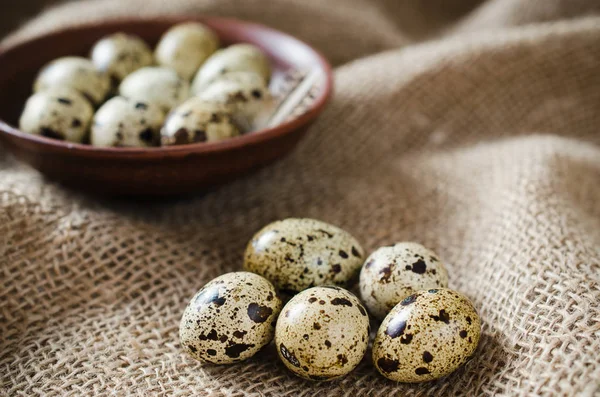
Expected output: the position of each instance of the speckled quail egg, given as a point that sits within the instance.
(426, 336)
(59, 113)
(238, 57)
(230, 318)
(161, 86)
(185, 47)
(77, 73)
(295, 254)
(244, 92)
(120, 54)
(392, 273)
(322, 333)
(123, 122)
(198, 121)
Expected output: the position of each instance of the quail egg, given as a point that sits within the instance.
(322, 333)
(392, 273)
(59, 113)
(120, 54)
(161, 86)
(230, 319)
(238, 57)
(198, 121)
(185, 47)
(295, 254)
(123, 122)
(245, 93)
(77, 73)
(426, 336)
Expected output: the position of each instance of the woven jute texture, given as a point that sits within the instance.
(471, 127)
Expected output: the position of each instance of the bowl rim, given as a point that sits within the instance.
(255, 137)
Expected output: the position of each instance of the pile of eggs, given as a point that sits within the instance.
(427, 331)
(186, 91)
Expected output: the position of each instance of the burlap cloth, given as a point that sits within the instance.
(472, 128)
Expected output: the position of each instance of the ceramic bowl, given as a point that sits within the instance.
(163, 170)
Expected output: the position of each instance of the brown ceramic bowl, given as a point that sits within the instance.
(153, 171)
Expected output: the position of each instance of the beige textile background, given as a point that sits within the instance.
(469, 126)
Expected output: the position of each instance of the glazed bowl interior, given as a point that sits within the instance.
(161, 170)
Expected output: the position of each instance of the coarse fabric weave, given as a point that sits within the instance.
(469, 126)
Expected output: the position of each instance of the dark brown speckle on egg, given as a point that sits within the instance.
(50, 133)
(147, 135)
(258, 313)
(388, 365)
(181, 137)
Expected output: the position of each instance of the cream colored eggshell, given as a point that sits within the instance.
(244, 78)
(123, 122)
(198, 121)
(230, 319)
(245, 96)
(255, 54)
(157, 85)
(77, 73)
(426, 336)
(59, 113)
(121, 54)
(392, 273)
(322, 333)
(295, 254)
(239, 57)
(185, 47)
